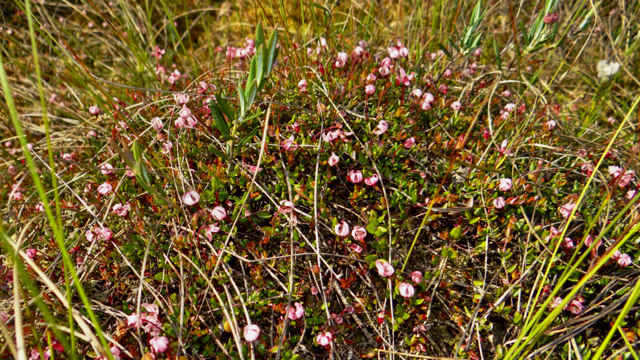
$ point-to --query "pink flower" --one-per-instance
(550, 124)
(384, 71)
(575, 307)
(156, 123)
(384, 268)
(416, 276)
(251, 332)
(503, 148)
(356, 248)
(631, 194)
(288, 144)
(157, 53)
(159, 344)
(324, 338)
(477, 52)
(443, 89)
(333, 159)
(408, 144)
(190, 197)
(180, 122)
(553, 232)
(358, 51)
(624, 260)
(295, 312)
(342, 229)
(31, 253)
(211, 229)
(121, 210)
(393, 52)
(568, 243)
(416, 93)
(285, 207)
(219, 213)
(614, 171)
(505, 184)
(456, 105)
(107, 169)
(359, 233)
(428, 98)
(499, 203)
(506, 93)
(403, 78)
(371, 78)
(181, 99)
(185, 112)
(355, 176)
(302, 86)
(371, 181)
(566, 209)
(406, 290)
(626, 178)
(94, 110)
(105, 188)
(381, 128)
(551, 18)
(17, 196)
(404, 52)
(447, 73)
(386, 62)
(369, 89)
(556, 302)
(103, 233)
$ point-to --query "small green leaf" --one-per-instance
(259, 35)
(218, 119)
(456, 232)
(243, 104)
(224, 106)
(271, 52)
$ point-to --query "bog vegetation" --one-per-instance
(319, 179)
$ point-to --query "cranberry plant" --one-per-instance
(305, 180)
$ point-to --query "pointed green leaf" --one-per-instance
(224, 107)
(243, 105)
(218, 119)
(250, 95)
(259, 35)
(271, 51)
(259, 58)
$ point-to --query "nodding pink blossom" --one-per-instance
(295, 312)
(477, 52)
(302, 85)
(251, 332)
(568, 243)
(587, 168)
(369, 89)
(289, 145)
(384, 71)
(67, 156)
(121, 209)
(342, 229)
(103, 233)
(416, 277)
(180, 122)
(408, 144)
(447, 73)
(631, 194)
(185, 112)
(509, 107)
(105, 188)
(94, 110)
(40, 207)
(384, 268)
(486, 133)
(406, 290)
(356, 248)
(626, 178)
(393, 52)
(157, 53)
(371, 78)
(159, 344)
(404, 52)
(90, 235)
(285, 207)
(181, 99)
(355, 176)
(553, 232)
(455, 106)
(314, 290)
(324, 338)
(416, 93)
(551, 18)
(134, 320)
(211, 229)
(333, 159)
(403, 78)
(575, 307)
(556, 302)
(91, 134)
(443, 89)
(203, 87)
(341, 60)
(174, 77)
(156, 124)
(190, 198)
(166, 149)
(386, 62)
(329, 136)
(566, 209)
(219, 213)
(358, 51)
(499, 203)
(31, 253)
(359, 233)
(323, 42)
(381, 128)
(506, 93)
(551, 124)
(505, 184)
(624, 260)
(106, 169)
(30, 146)
(241, 53)
(503, 148)
(614, 171)
(17, 196)
(371, 181)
